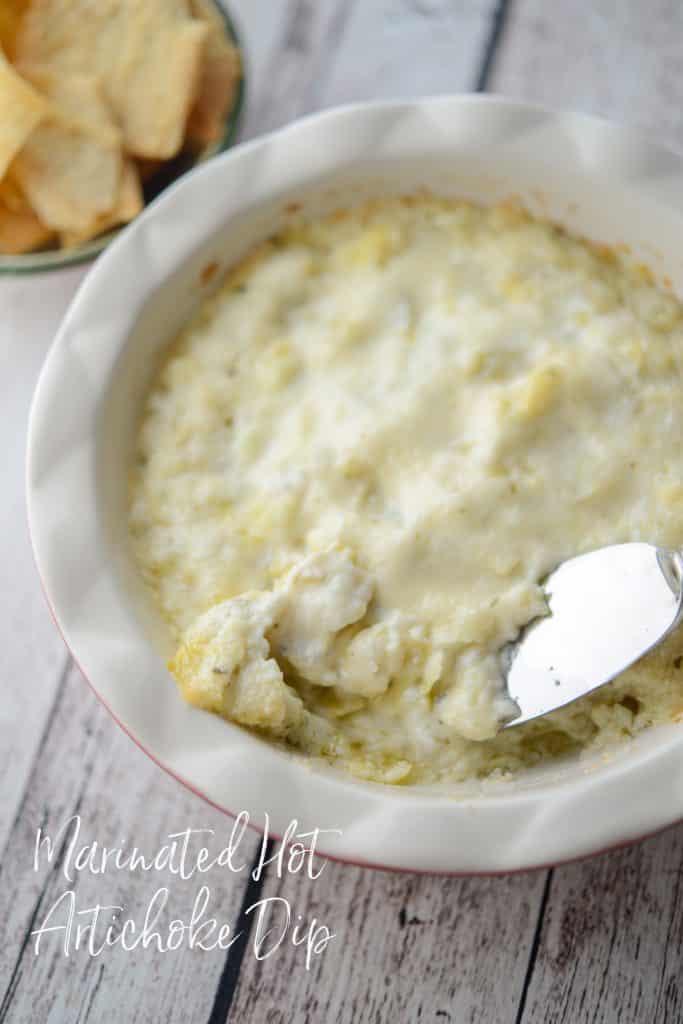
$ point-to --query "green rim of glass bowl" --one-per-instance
(58, 259)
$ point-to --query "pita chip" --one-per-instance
(21, 231)
(128, 205)
(147, 52)
(21, 110)
(218, 79)
(79, 98)
(69, 174)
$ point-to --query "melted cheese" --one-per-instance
(365, 452)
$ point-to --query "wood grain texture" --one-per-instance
(308, 34)
(618, 59)
(611, 943)
(609, 948)
(406, 948)
(261, 27)
(87, 766)
(406, 48)
(32, 655)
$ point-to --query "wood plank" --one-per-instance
(305, 55)
(261, 26)
(407, 48)
(610, 945)
(292, 59)
(33, 656)
(406, 948)
(612, 939)
(88, 766)
(619, 60)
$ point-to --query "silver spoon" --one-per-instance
(606, 610)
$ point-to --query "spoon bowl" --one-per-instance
(606, 609)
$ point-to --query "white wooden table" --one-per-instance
(595, 941)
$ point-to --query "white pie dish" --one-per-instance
(600, 181)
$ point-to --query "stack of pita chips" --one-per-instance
(94, 96)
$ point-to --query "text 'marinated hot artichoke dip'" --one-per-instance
(363, 455)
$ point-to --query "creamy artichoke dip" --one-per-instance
(369, 447)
